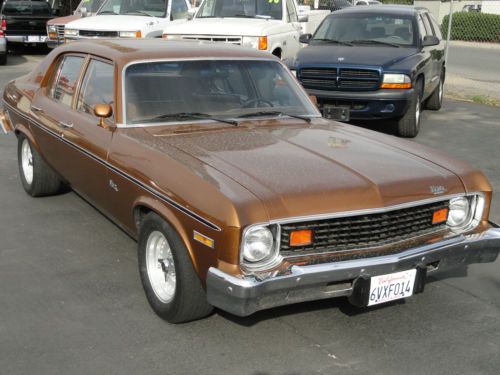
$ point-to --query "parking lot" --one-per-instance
(71, 301)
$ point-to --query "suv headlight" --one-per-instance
(260, 247)
(465, 212)
(70, 32)
(396, 81)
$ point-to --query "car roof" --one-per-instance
(392, 9)
(124, 51)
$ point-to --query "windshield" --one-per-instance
(27, 8)
(157, 91)
(242, 8)
(365, 28)
(152, 8)
(91, 5)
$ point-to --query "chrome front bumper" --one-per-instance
(244, 296)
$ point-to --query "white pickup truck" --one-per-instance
(128, 19)
(270, 25)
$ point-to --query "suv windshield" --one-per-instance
(187, 90)
(92, 6)
(152, 8)
(37, 8)
(241, 8)
(367, 29)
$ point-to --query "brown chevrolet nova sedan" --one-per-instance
(239, 194)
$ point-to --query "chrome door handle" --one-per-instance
(36, 109)
(65, 124)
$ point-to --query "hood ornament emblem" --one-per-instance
(437, 189)
(340, 59)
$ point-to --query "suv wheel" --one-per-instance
(436, 99)
(409, 125)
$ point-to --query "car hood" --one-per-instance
(63, 20)
(113, 23)
(299, 170)
(356, 55)
(222, 26)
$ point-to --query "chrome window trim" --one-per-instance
(143, 61)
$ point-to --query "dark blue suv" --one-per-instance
(375, 62)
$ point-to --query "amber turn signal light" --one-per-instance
(395, 86)
(440, 216)
(263, 43)
(301, 237)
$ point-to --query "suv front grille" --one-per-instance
(98, 34)
(364, 231)
(339, 78)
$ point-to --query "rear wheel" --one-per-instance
(37, 177)
(409, 125)
(172, 287)
(435, 101)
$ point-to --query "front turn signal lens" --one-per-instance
(263, 43)
(395, 86)
(440, 216)
(301, 237)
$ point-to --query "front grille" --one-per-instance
(60, 32)
(339, 78)
(98, 34)
(214, 38)
(363, 231)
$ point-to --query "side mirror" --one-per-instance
(303, 17)
(191, 13)
(103, 111)
(305, 38)
(430, 40)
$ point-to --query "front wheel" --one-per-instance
(37, 177)
(409, 125)
(172, 287)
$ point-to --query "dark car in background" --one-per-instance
(372, 63)
(24, 22)
(334, 5)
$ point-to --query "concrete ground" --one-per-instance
(71, 300)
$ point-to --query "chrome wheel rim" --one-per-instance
(160, 266)
(27, 161)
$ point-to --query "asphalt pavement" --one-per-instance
(71, 301)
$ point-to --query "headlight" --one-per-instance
(294, 72)
(70, 32)
(130, 34)
(466, 212)
(256, 42)
(52, 29)
(260, 247)
(396, 81)
(459, 212)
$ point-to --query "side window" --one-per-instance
(65, 84)
(97, 87)
(179, 10)
(427, 25)
(435, 26)
(421, 27)
(291, 12)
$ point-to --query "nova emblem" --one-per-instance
(113, 185)
(437, 189)
(341, 59)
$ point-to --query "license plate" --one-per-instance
(390, 287)
(36, 39)
(339, 113)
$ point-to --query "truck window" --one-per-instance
(291, 12)
(155, 8)
(241, 9)
(179, 9)
(27, 8)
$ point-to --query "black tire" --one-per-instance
(44, 180)
(189, 301)
(409, 125)
(435, 101)
(3, 59)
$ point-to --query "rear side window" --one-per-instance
(65, 84)
(97, 87)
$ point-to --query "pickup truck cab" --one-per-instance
(267, 25)
(128, 19)
(55, 27)
(23, 22)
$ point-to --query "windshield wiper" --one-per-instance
(371, 41)
(188, 115)
(107, 12)
(139, 12)
(334, 41)
(274, 113)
